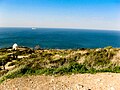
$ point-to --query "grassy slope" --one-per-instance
(59, 62)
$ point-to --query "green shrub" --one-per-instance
(98, 58)
(12, 74)
(108, 47)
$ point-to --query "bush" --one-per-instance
(98, 58)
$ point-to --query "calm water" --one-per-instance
(59, 38)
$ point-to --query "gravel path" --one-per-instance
(99, 81)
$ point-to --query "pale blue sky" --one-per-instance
(89, 14)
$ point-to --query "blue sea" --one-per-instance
(59, 38)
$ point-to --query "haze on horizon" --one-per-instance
(87, 14)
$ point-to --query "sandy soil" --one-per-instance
(99, 81)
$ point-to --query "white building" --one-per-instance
(15, 46)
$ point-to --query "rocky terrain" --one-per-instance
(99, 81)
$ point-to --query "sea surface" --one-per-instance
(59, 38)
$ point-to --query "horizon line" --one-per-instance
(58, 28)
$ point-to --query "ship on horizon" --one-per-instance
(34, 28)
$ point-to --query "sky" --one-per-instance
(83, 14)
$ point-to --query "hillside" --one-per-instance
(61, 64)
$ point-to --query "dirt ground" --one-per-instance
(99, 81)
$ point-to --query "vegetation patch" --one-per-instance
(57, 62)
